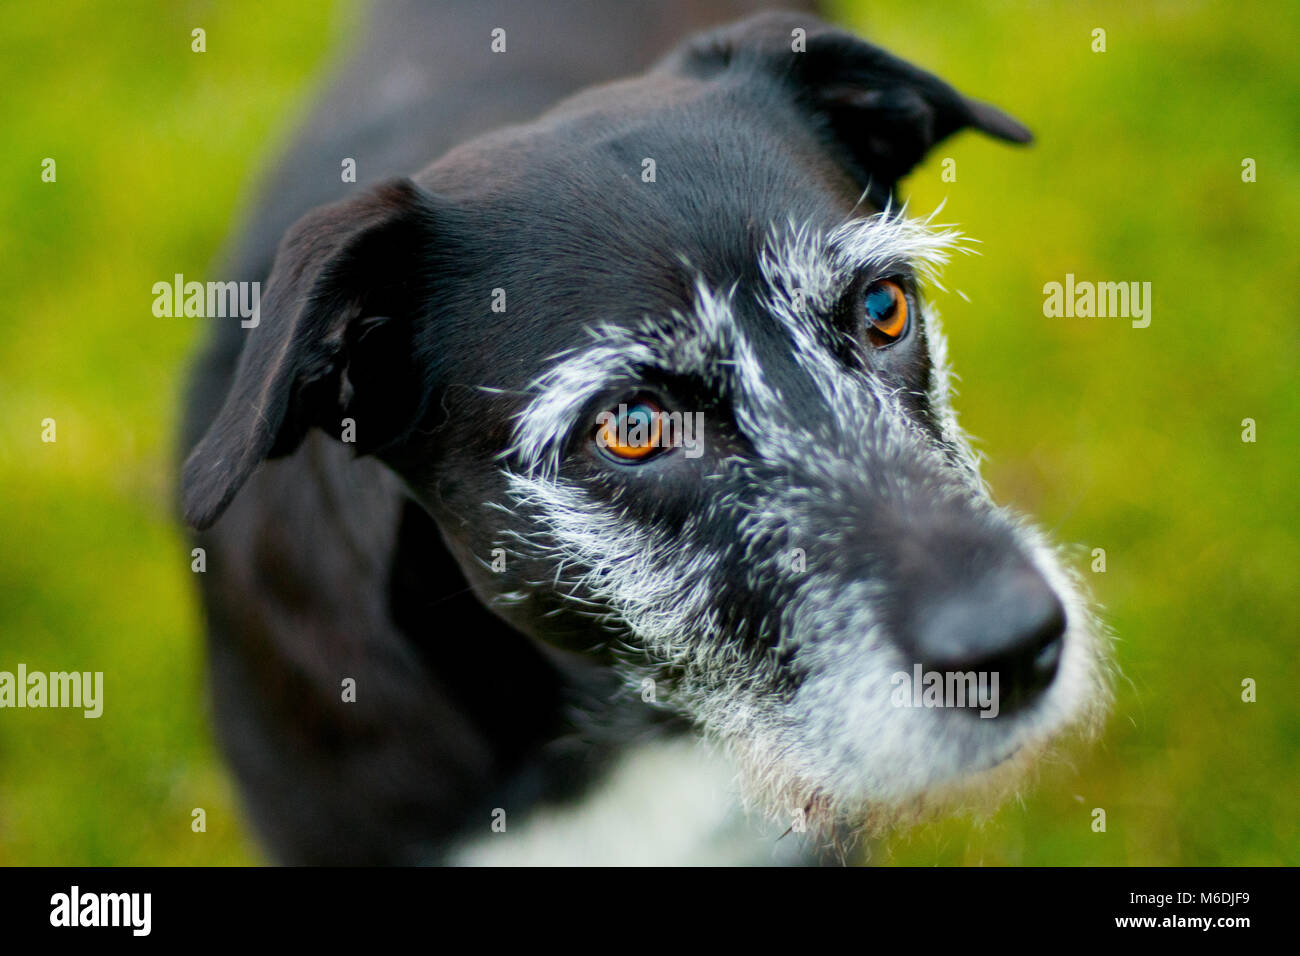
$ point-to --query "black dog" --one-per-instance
(644, 427)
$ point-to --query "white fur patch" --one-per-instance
(666, 803)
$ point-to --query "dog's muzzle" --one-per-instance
(963, 595)
(1009, 622)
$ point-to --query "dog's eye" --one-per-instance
(630, 432)
(885, 305)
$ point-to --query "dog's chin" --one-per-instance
(903, 767)
(837, 810)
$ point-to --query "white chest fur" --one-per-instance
(665, 803)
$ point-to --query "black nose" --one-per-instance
(1011, 624)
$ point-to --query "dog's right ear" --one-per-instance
(882, 113)
(334, 341)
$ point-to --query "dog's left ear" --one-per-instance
(883, 112)
(334, 347)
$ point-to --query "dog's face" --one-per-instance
(662, 369)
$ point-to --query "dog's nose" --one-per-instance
(1010, 624)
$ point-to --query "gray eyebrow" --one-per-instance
(821, 263)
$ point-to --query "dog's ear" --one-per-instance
(333, 342)
(885, 113)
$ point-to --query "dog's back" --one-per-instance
(322, 572)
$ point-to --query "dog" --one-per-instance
(478, 590)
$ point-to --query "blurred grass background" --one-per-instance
(1119, 438)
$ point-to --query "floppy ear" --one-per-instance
(884, 113)
(334, 341)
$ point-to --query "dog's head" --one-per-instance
(660, 366)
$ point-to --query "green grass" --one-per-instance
(154, 147)
(1119, 438)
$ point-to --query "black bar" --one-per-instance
(980, 907)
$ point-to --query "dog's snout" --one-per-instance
(1010, 623)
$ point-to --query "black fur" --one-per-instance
(323, 566)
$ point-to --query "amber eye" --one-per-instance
(885, 305)
(630, 432)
